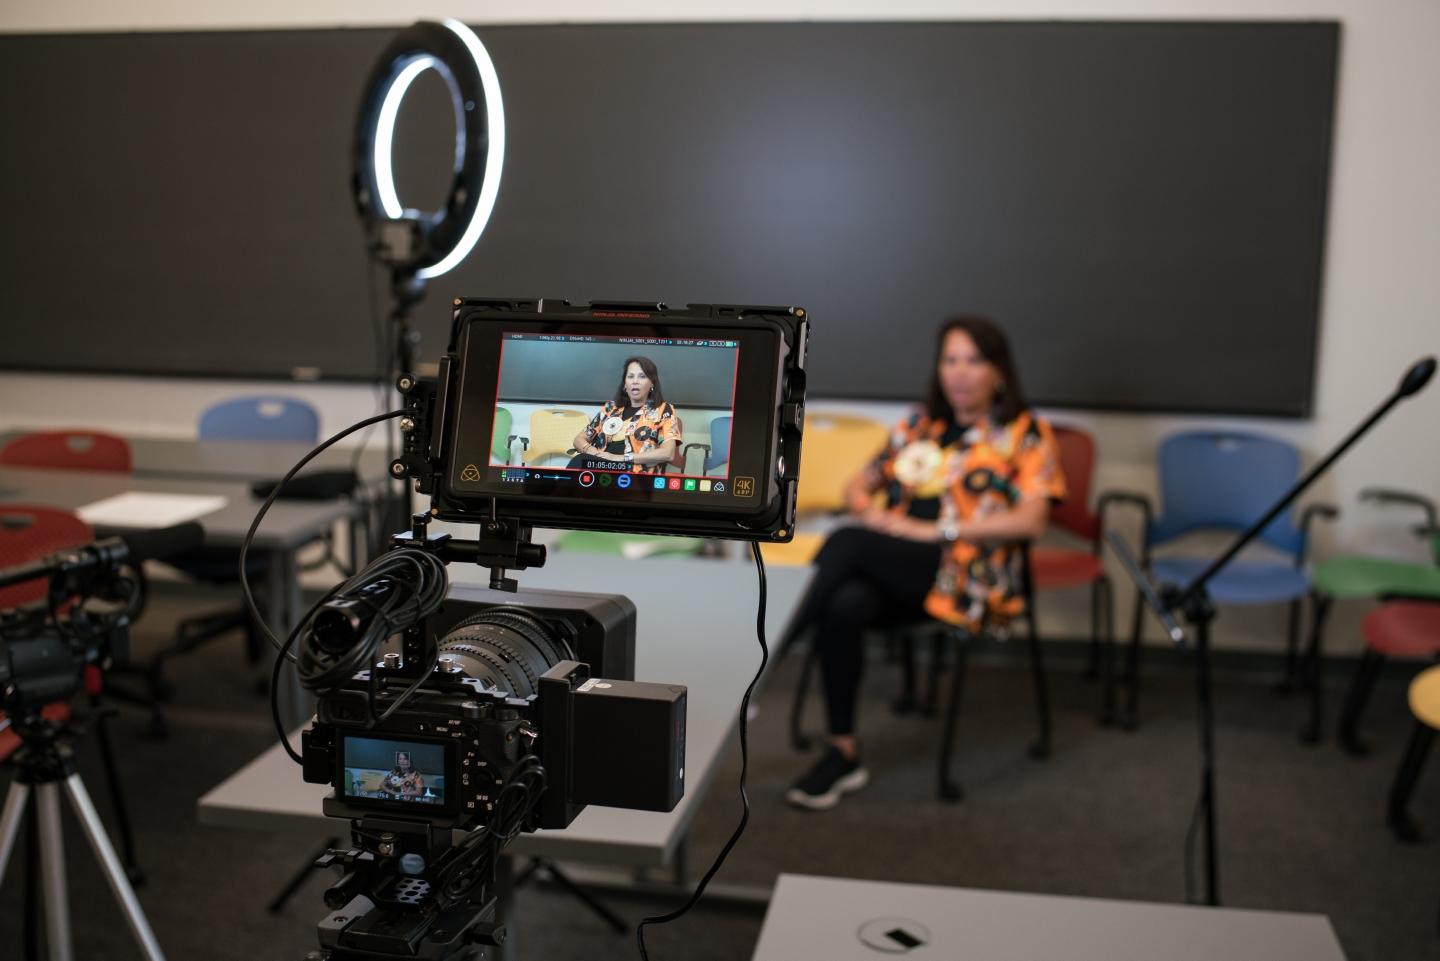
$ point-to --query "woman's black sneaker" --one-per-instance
(831, 778)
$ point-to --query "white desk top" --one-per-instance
(813, 917)
(695, 626)
(289, 524)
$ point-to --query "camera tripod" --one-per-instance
(44, 765)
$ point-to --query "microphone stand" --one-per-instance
(1194, 604)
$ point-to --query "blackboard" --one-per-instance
(1142, 205)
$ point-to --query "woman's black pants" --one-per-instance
(863, 579)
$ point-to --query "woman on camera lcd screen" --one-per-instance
(636, 430)
(403, 781)
(965, 476)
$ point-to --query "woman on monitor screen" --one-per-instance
(403, 781)
(968, 473)
(636, 430)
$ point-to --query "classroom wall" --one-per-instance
(1381, 297)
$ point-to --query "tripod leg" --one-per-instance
(584, 896)
(11, 820)
(52, 873)
(117, 798)
(114, 870)
(277, 904)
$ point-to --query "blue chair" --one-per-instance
(717, 452)
(1223, 481)
(261, 418)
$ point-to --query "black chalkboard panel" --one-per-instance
(1141, 204)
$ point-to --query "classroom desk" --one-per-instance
(695, 626)
(248, 460)
(288, 527)
(814, 917)
(195, 459)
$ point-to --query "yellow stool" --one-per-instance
(1425, 705)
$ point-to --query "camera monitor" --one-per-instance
(620, 417)
(391, 773)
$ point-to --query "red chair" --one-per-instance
(68, 450)
(1398, 628)
(29, 533)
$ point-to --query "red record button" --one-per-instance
(586, 478)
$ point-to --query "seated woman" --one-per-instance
(636, 430)
(403, 781)
(967, 474)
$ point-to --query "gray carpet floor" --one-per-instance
(1301, 829)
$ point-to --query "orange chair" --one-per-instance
(68, 450)
(1056, 568)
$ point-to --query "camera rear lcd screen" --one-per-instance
(389, 770)
(617, 412)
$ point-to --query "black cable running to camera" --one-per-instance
(744, 765)
(250, 606)
(418, 585)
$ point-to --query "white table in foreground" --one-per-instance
(695, 626)
(813, 917)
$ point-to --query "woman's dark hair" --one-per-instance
(995, 348)
(657, 396)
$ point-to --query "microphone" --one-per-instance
(112, 552)
(1416, 377)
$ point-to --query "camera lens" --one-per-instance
(506, 649)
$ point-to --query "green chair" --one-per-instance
(629, 546)
(1356, 577)
(500, 438)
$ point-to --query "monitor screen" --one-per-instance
(647, 416)
(617, 412)
(388, 770)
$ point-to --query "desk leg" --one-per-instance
(296, 705)
(505, 907)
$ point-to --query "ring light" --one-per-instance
(415, 243)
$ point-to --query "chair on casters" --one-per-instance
(1224, 481)
(245, 419)
(1425, 705)
(1357, 577)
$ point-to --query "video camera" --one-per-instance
(502, 713)
(91, 593)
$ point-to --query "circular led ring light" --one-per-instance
(452, 50)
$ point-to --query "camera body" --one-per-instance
(537, 675)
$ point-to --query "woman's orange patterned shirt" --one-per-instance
(645, 429)
(937, 471)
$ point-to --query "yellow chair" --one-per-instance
(834, 448)
(552, 432)
(1425, 705)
